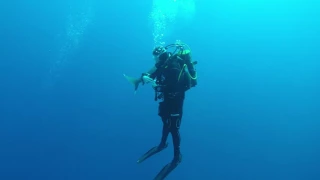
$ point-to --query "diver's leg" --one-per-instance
(174, 129)
(175, 118)
(165, 132)
(164, 114)
(163, 144)
(174, 126)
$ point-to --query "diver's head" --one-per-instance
(158, 53)
(158, 50)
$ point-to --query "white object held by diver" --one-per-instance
(146, 80)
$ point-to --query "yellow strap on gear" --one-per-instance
(194, 78)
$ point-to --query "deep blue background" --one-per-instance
(254, 114)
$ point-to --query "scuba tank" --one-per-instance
(188, 73)
(188, 68)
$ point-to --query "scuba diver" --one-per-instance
(173, 74)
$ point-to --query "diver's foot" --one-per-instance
(152, 152)
(167, 169)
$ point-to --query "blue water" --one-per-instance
(66, 112)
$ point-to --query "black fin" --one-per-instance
(151, 152)
(167, 169)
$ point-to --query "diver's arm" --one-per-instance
(152, 70)
(149, 76)
(152, 73)
(144, 78)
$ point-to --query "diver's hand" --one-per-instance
(146, 79)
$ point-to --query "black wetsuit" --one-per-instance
(172, 83)
(170, 111)
(172, 91)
